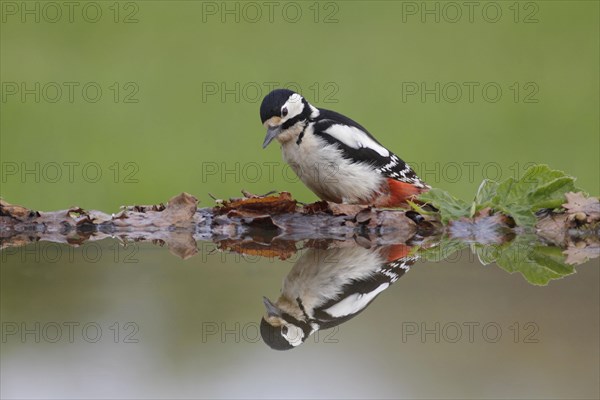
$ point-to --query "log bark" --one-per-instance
(273, 220)
(272, 225)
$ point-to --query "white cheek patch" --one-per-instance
(294, 335)
(294, 106)
(355, 138)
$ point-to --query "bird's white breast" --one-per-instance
(320, 275)
(327, 173)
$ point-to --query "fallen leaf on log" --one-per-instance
(578, 204)
(17, 212)
(259, 205)
(182, 244)
(281, 249)
(345, 209)
(582, 250)
(180, 209)
(269, 225)
(554, 228)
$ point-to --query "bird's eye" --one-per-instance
(284, 111)
(284, 330)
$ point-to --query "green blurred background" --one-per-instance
(359, 58)
(186, 111)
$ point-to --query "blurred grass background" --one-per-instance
(178, 137)
(181, 138)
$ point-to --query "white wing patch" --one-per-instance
(355, 138)
(354, 303)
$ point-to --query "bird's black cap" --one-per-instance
(272, 336)
(272, 103)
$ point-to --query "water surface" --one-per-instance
(103, 320)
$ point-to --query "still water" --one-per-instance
(107, 320)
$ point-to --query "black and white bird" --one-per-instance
(327, 287)
(337, 158)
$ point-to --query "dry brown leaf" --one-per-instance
(278, 248)
(144, 208)
(79, 215)
(578, 203)
(315, 208)
(345, 209)
(17, 212)
(182, 244)
(260, 205)
(180, 208)
(99, 217)
(553, 228)
(364, 216)
(578, 255)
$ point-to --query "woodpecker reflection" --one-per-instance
(327, 287)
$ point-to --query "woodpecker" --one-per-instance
(337, 158)
(327, 287)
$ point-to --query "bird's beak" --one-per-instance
(272, 309)
(272, 132)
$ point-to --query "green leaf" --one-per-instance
(487, 253)
(509, 192)
(485, 194)
(526, 255)
(521, 213)
(450, 207)
(552, 194)
(538, 264)
(540, 187)
(417, 207)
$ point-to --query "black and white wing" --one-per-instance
(358, 145)
(358, 294)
